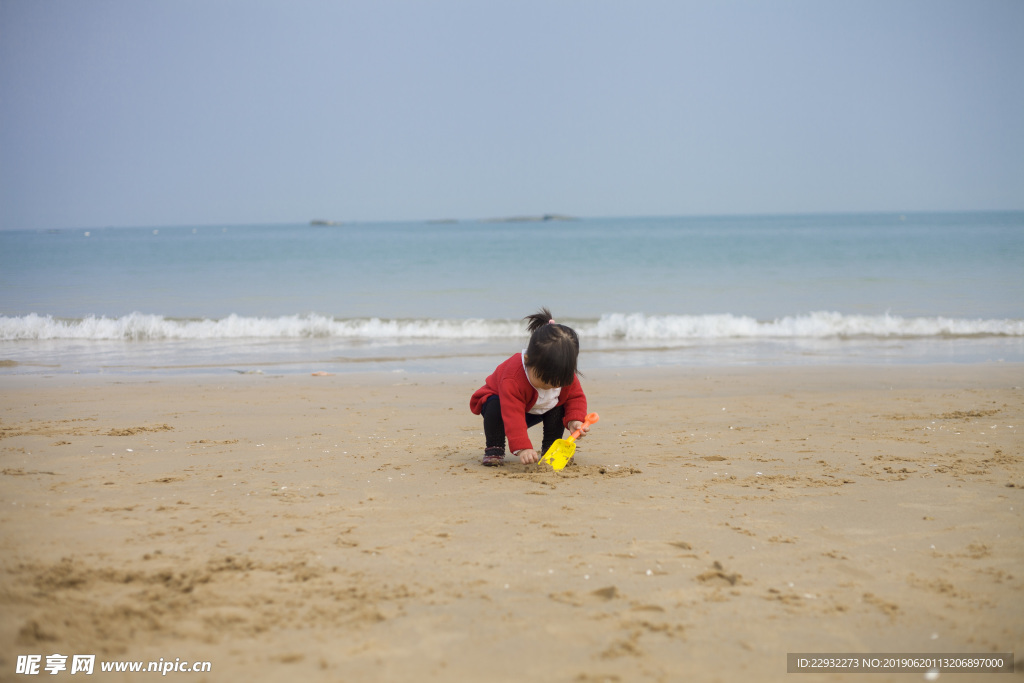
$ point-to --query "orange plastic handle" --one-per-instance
(588, 420)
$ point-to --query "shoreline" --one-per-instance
(341, 526)
(298, 357)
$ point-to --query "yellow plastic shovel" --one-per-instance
(560, 453)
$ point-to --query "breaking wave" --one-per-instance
(633, 327)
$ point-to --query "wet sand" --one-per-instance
(340, 527)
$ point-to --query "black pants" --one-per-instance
(494, 426)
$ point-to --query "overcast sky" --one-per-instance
(178, 112)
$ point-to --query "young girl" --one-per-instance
(538, 385)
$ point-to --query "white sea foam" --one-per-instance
(817, 325)
(634, 327)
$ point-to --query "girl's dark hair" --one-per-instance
(552, 350)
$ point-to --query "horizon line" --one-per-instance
(551, 217)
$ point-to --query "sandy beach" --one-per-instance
(341, 528)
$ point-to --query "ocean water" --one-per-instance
(424, 296)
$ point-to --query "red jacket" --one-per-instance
(517, 396)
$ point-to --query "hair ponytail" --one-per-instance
(538, 320)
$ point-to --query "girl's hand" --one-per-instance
(576, 424)
(528, 456)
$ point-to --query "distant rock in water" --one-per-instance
(323, 222)
(532, 219)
